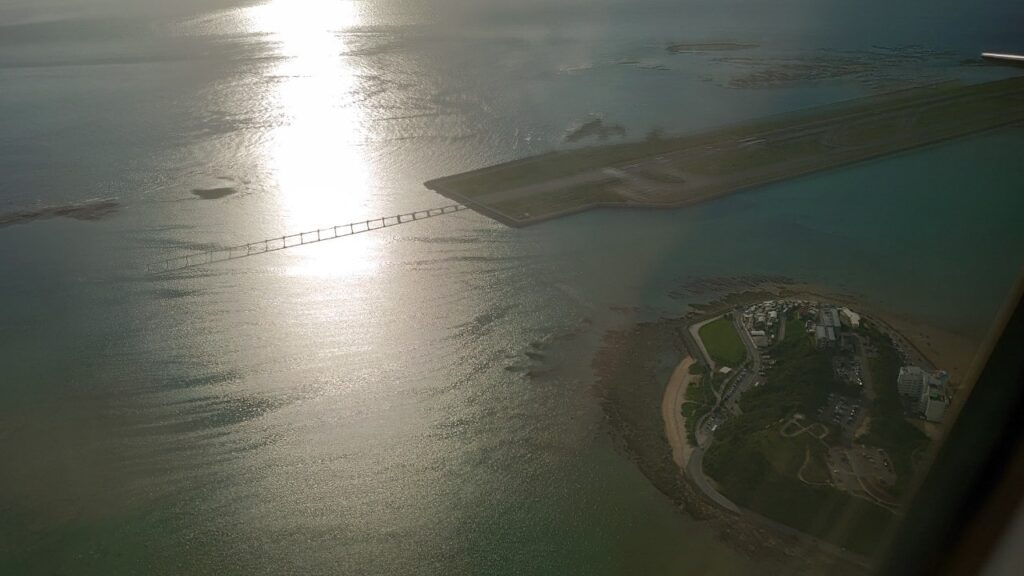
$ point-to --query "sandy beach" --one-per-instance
(675, 422)
(642, 400)
(630, 385)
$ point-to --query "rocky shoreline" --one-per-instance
(632, 368)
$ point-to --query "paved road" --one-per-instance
(695, 332)
(865, 370)
(754, 361)
(733, 388)
(695, 466)
(695, 470)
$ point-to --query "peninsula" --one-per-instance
(669, 172)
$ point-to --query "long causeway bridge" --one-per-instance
(293, 240)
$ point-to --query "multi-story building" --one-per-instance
(929, 389)
(933, 403)
(910, 382)
(850, 318)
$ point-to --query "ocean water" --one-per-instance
(367, 405)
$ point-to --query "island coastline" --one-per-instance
(637, 357)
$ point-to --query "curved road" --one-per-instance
(695, 332)
(695, 465)
(695, 470)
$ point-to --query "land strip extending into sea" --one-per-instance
(678, 171)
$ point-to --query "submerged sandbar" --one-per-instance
(678, 171)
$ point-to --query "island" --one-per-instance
(808, 414)
(792, 419)
(669, 172)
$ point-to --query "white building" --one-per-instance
(928, 388)
(910, 382)
(759, 337)
(851, 318)
(933, 403)
(820, 336)
(829, 317)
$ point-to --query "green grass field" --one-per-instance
(723, 343)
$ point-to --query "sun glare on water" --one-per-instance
(315, 151)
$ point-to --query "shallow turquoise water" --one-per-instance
(362, 406)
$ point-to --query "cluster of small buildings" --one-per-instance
(826, 331)
(828, 325)
(762, 320)
(927, 391)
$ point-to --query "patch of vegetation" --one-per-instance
(723, 343)
(698, 412)
(699, 391)
(789, 456)
(800, 381)
(786, 455)
(794, 328)
(759, 469)
(717, 381)
(697, 368)
(815, 468)
(889, 428)
(699, 401)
